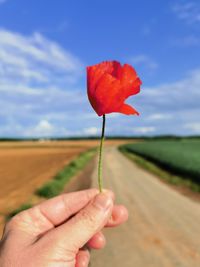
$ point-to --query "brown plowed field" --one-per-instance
(25, 166)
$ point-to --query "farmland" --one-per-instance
(26, 166)
(181, 157)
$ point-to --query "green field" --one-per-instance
(181, 157)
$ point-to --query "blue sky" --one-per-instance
(46, 45)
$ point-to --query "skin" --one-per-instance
(59, 231)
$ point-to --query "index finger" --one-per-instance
(50, 213)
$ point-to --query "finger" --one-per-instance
(119, 216)
(82, 258)
(76, 232)
(98, 241)
(51, 213)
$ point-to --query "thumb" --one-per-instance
(76, 232)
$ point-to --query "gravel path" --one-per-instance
(163, 229)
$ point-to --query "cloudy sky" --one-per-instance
(46, 45)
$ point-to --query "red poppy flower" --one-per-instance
(109, 84)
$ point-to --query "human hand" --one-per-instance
(53, 233)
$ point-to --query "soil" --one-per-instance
(26, 166)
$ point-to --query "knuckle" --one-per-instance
(14, 221)
(63, 257)
(89, 217)
(20, 221)
(67, 207)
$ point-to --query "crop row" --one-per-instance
(178, 157)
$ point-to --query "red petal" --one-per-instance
(95, 72)
(117, 70)
(93, 76)
(130, 81)
(128, 73)
(128, 110)
(107, 94)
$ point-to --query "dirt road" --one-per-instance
(163, 229)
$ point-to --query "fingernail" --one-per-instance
(103, 201)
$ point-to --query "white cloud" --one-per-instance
(144, 61)
(183, 94)
(158, 116)
(38, 48)
(39, 80)
(43, 128)
(28, 60)
(11, 128)
(35, 131)
(91, 131)
(188, 11)
(194, 126)
(178, 102)
(144, 130)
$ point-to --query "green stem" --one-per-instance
(100, 155)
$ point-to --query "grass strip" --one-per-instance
(57, 184)
(161, 173)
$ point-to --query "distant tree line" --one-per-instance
(158, 137)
